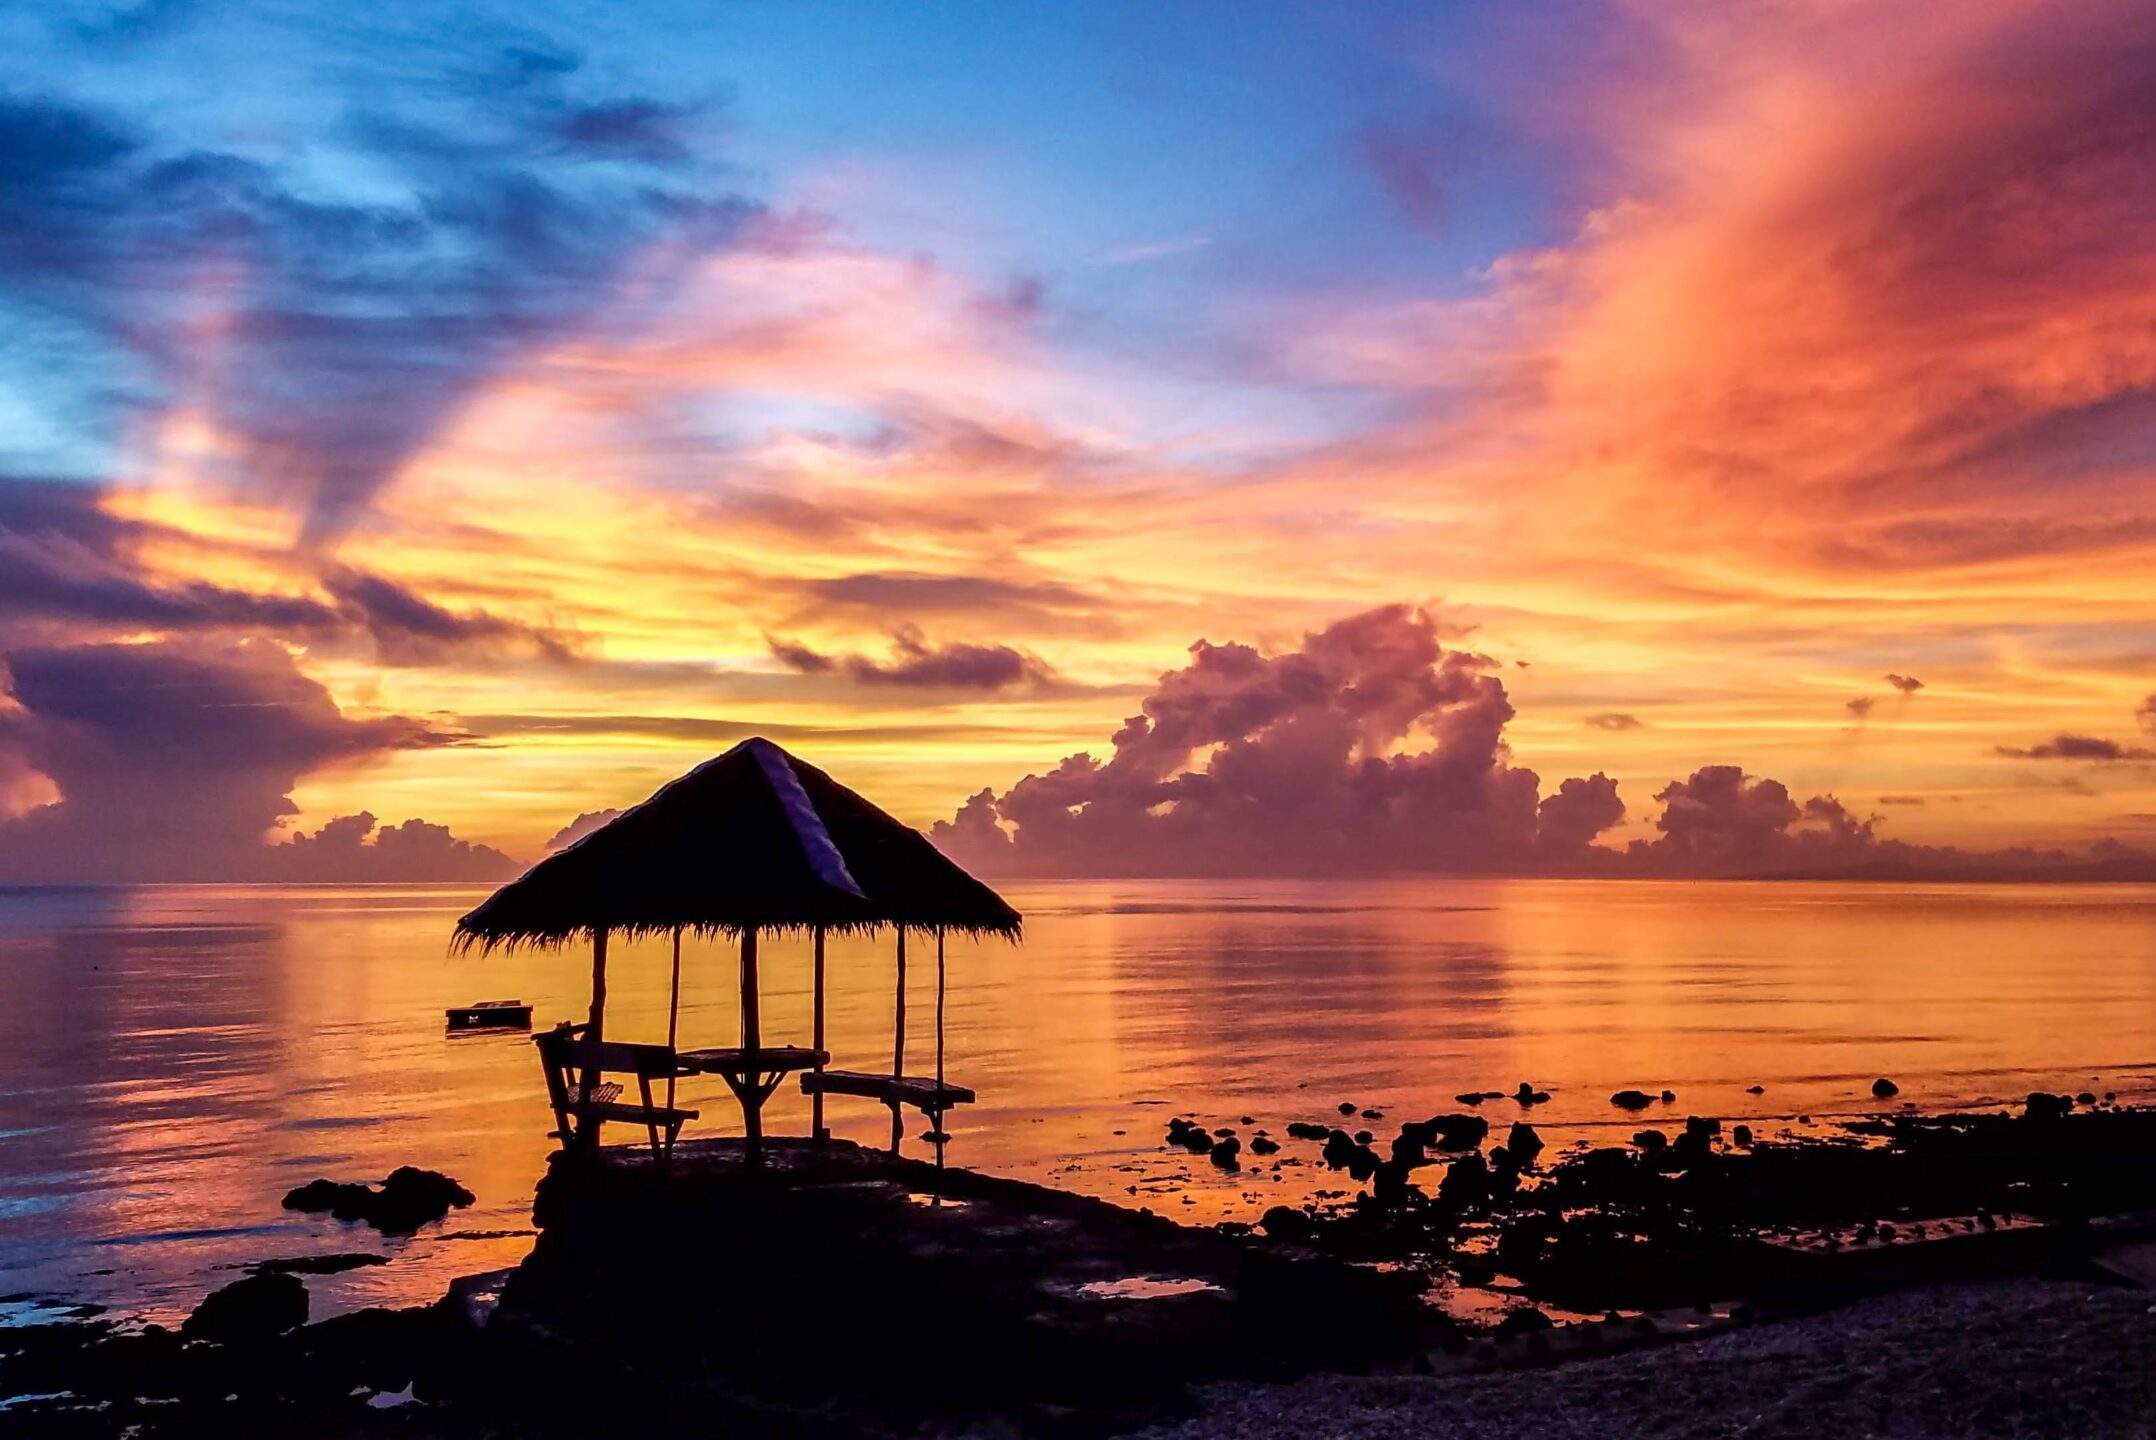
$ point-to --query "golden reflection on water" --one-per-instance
(173, 1059)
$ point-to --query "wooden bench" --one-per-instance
(583, 1102)
(923, 1092)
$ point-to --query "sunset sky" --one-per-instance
(482, 421)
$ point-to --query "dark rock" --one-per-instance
(1529, 1095)
(1249, 1120)
(2086, 1097)
(1342, 1153)
(1373, 1114)
(1285, 1222)
(407, 1199)
(1466, 1185)
(1389, 1185)
(1742, 1135)
(1883, 1088)
(1223, 1154)
(1631, 1099)
(1755, 1090)
(1524, 1321)
(1411, 1146)
(257, 1308)
(1364, 1137)
(1263, 1145)
(1223, 1132)
(1699, 1125)
(1669, 1097)
(1469, 1097)
(1304, 1130)
(1651, 1141)
(316, 1264)
(1457, 1132)
(1347, 1107)
(2044, 1106)
(1523, 1144)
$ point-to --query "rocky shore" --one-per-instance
(838, 1291)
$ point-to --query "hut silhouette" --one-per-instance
(753, 842)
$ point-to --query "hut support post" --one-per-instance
(816, 1129)
(752, 1095)
(673, 1018)
(594, 1027)
(898, 1044)
(938, 1116)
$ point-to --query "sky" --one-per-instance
(1672, 437)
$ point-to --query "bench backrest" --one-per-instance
(563, 1050)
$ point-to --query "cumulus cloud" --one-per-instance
(1721, 821)
(1369, 749)
(578, 828)
(355, 848)
(1907, 684)
(917, 662)
(173, 759)
(1861, 707)
(2076, 747)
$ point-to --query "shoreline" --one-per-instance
(606, 1256)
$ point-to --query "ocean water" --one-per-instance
(173, 1059)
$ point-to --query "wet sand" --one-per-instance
(2000, 1358)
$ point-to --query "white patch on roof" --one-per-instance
(823, 856)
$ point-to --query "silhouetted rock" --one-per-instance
(1263, 1145)
(1701, 1125)
(1651, 1141)
(1223, 1154)
(1347, 1107)
(1755, 1089)
(2086, 1097)
(257, 1308)
(317, 1264)
(408, 1199)
(1742, 1135)
(1884, 1089)
(1304, 1130)
(1466, 1185)
(1669, 1097)
(1469, 1097)
(1342, 1153)
(1631, 1099)
(1529, 1095)
(1285, 1222)
(2041, 1105)
(1523, 1144)
(1524, 1321)
(1457, 1132)
(1373, 1114)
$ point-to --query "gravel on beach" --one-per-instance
(2015, 1358)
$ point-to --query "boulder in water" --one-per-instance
(260, 1307)
(1631, 1099)
(1885, 1089)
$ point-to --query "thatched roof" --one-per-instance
(755, 838)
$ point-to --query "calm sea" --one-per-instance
(172, 1060)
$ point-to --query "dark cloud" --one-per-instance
(2076, 747)
(917, 662)
(636, 129)
(1244, 763)
(1907, 684)
(1616, 720)
(1413, 170)
(409, 629)
(173, 760)
(347, 329)
(1861, 707)
(1901, 800)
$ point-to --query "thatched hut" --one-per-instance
(751, 842)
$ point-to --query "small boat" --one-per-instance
(490, 1015)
